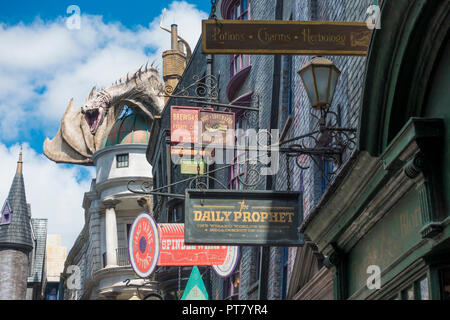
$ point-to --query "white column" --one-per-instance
(111, 232)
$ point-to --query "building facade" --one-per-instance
(345, 217)
(383, 221)
(98, 265)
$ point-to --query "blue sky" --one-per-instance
(43, 64)
(130, 13)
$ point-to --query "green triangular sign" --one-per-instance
(195, 288)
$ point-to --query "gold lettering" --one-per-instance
(237, 215)
(273, 217)
(264, 216)
(206, 216)
(218, 217)
(227, 215)
(290, 215)
(258, 216)
(246, 217)
(197, 215)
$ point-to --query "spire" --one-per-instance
(17, 232)
(19, 163)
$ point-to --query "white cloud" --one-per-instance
(54, 192)
(67, 63)
(42, 66)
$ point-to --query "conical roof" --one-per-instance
(15, 231)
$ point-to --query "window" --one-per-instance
(5, 214)
(239, 11)
(122, 160)
(327, 173)
(419, 290)
(445, 284)
(239, 169)
(176, 214)
(284, 264)
(231, 287)
(128, 233)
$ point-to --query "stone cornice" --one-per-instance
(366, 189)
(115, 182)
(119, 147)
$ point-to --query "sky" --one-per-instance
(45, 60)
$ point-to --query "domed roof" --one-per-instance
(131, 129)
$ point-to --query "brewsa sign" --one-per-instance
(152, 245)
(243, 218)
(285, 37)
(192, 125)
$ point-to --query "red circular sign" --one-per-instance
(143, 245)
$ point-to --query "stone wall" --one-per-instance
(14, 269)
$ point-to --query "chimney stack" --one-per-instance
(174, 60)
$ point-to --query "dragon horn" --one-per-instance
(146, 67)
(91, 94)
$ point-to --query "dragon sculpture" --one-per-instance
(82, 130)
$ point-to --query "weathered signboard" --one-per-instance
(215, 125)
(243, 218)
(285, 37)
(175, 253)
(143, 245)
(182, 122)
(194, 125)
(192, 167)
(151, 244)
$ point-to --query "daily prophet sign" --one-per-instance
(243, 218)
(285, 37)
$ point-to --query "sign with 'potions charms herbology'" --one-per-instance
(243, 218)
(285, 37)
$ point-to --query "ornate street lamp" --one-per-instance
(320, 78)
(327, 141)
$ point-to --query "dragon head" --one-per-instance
(95, 109)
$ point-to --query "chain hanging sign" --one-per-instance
(243, 218)
(285, 37)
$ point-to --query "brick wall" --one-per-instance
(347, 96)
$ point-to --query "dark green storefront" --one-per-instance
(389, 206)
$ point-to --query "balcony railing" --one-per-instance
(123, 259)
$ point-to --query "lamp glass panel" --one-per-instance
(308, 82)
(322, 76)
(333, 83)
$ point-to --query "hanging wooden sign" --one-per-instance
(285, 37)
(243, 218)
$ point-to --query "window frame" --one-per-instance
(118, 161)
(239, 170)
(242, 59)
